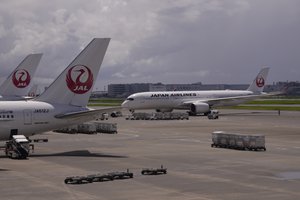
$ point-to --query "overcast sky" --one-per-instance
(169, 41)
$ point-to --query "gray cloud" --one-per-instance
(171, 41)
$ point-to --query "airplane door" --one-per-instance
(13, 132)
(27, 117)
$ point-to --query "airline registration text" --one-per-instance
(41, 110)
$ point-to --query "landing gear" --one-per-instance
(191, 113)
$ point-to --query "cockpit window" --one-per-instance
(130, 99)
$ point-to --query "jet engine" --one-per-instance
(199, 108)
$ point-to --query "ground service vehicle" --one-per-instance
(151, 171)
(98, 177)
(214, 114)
(78, 180)
(18, 147)
(121, 175)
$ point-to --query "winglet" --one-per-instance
(74, 85)
(259, 82)
(19, 81)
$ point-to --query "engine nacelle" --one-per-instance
(164, 110)
(199, 108)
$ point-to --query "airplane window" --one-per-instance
(12, 116)
(7, 116)
(130, 99)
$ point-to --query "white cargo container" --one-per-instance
(87, 128)
(106, 127)
(70, 129)
(140, 116)
(158, 116)
(238, 141)
(90, 128)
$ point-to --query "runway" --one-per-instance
(195, 170)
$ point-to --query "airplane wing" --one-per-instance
(228, 100)
(87, 113)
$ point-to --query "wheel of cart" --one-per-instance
(68, 180)
(264, 149)
(90, 180)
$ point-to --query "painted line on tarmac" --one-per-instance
(130, 134)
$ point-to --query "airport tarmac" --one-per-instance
(195, 170)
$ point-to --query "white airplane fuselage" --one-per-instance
(196, 101)
(32, 117)
(14, 98)
(178, 99)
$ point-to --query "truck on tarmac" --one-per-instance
(213, 114)
(152, 171)
(18, 147)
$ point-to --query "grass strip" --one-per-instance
(272, 102)
(286, 108)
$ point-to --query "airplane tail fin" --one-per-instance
(33, 92)
(259, 82)
(19, 81)
(74, 85)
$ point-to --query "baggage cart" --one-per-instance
(238, 141)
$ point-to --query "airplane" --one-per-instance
(197, 102)
(18, 83)
(65, 101)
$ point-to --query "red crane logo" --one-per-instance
(21, 78)
(79, 79)
(260, 81)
